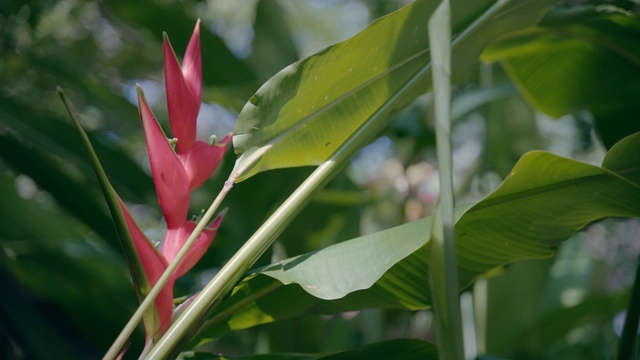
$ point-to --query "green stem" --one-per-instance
(442, 255)
(628, 347)
(480, 296)
(248, 254)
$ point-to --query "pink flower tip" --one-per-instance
(184, 89)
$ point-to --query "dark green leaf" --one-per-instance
(585, 59)
(220, 66)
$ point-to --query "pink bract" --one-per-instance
(175, 174)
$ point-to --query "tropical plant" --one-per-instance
(411, 254)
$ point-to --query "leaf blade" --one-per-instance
(306, 111)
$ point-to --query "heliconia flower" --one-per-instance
(184, 96)
(175, 174)
(170, 180)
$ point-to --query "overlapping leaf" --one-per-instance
(544, 201)
(47, 252)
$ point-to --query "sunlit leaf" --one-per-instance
(309, 109)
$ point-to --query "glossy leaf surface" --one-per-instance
(309, 109)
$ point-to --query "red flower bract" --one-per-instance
(175, 174)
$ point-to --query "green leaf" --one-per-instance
(620, 158)
(555, 324)
(34, 143)
(390, 349)
(406, 349)
(585, 59)
(331, 278)
(305, 112)
(544, 201)
(338, 270)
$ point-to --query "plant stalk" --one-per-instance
(118, 219)
(481, 286)
(442, 255)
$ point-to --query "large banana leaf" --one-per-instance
(308, 110)
(583, 59)
(544, 201)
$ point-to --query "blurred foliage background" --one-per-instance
(64, 286)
